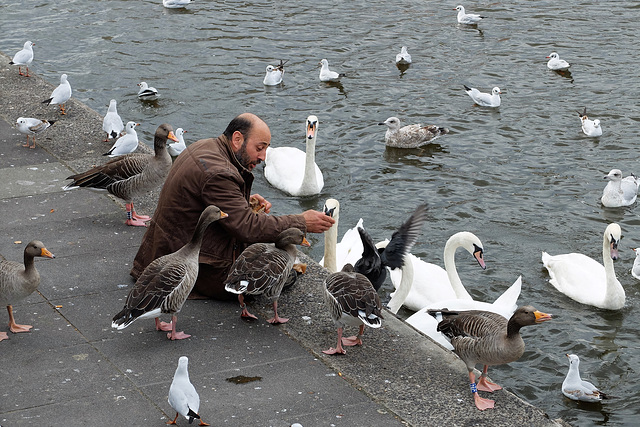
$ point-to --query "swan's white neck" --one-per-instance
(614, 296)
(404, 287)
(330, 244)
(310, 181)
(454, 242)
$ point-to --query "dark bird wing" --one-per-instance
(404, 238)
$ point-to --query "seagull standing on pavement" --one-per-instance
(183, 396)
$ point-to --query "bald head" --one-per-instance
(245, 124)
(249, 136)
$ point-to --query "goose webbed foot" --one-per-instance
(173, 335)
(482, 403)
(13, 326)
(338, 349)
(135, 222)
(351, 341)
(3, 336)
(246, 315)
(485, 385)
(163, 326)
(277, 319)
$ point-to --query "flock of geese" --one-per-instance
(486, 333)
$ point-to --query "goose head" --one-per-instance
(36, 248)
(312, 127)
(526, 316)
(291, 236)
(613, 234)
(393, 123)
(164, 132)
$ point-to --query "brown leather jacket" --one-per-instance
(208, 173)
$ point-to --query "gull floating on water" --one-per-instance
(403, 57)
(147, 93)
(274, 75)
(60, 95)
(467, 18)
(410, 136)
(176, 148)
(575, 388)
(326, 75)
(590, 127)
(127, 143)
(183, 396)
(23, 57)
(112, 123)
(619, 191)
(557, 64)
(174, 4)
(635, 271)
(31, 126)
(484, 99)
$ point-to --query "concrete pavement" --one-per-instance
(73, 368)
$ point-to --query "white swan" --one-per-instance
(584, 279)
(350, 248)
(431, 283)
(292, 170)
(619, 191)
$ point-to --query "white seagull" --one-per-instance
(557, 64)
(619, 191)
(403, 57)
(590, 127)
(177, 147)
(326, 75)
(60, 95)
(575, 388)
(467, 18)
(112, 123)
(410, 136)
(31, 126)
(23, 57)
(484, 99)
(635, 271)
(274, 75)
(127, 143)
(174, 4)
(183, 396)
(147, 93)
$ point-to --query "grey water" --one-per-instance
(522, 177)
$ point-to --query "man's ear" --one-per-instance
(236, 140)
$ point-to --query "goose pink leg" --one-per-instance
(480, 402)
(354, 340)
(133, 218)
(245, 313)
(484, 384)
(338, 349)
(276, 319)
(13, 326)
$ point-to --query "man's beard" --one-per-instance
(244, 159)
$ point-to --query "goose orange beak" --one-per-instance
(172, 137)
(541, 317)
(45, 253)
(223, 215)
(305, 242)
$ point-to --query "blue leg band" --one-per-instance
(474, 389)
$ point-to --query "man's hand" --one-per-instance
(317, 222)
(262, 202)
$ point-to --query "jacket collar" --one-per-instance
(246, 174)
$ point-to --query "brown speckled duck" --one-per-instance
(131, 175)
(263, 268)
(18, 281)
(164, 286)
(487, 338)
